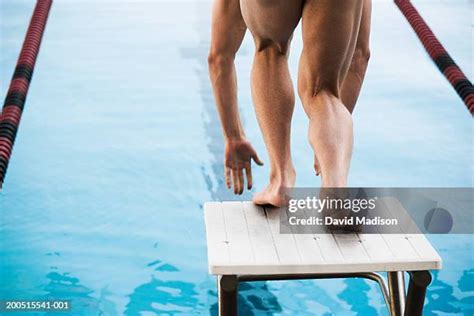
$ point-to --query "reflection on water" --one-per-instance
(162, 297)
(164, 293)
(161, 266)
(63, 286)
(358, 288)
(254, 299)
(466, 285)
(441, 296)
(259, 298)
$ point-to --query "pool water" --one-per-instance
(120, 145)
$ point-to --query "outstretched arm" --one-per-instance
(228, 31)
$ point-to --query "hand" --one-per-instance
(238, 156)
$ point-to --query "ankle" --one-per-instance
(283, 177)
(334, 181)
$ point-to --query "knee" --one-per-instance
(270, 48)
(317, 84)
(360, 60)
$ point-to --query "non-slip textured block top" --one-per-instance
(245, 239)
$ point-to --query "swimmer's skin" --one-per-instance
(332, 68)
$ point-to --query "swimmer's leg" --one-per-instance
(272, 24)
(355, 75)
(330, 29)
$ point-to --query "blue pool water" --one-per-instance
(119, 147)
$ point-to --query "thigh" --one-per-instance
(228, 27)
(363, 37)
(271, 20)
(330, 30)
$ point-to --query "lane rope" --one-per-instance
(438, 54)
(16, 96)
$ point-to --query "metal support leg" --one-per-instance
(396, 287)
(308, 276)
(228, 286)
(419, 281)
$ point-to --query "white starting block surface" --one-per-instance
(245, 239)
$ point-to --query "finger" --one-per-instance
(257, 160)
(241, 181)
(228, 182)
(235, 179)
(248, 175)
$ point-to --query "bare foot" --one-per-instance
(274, 193)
